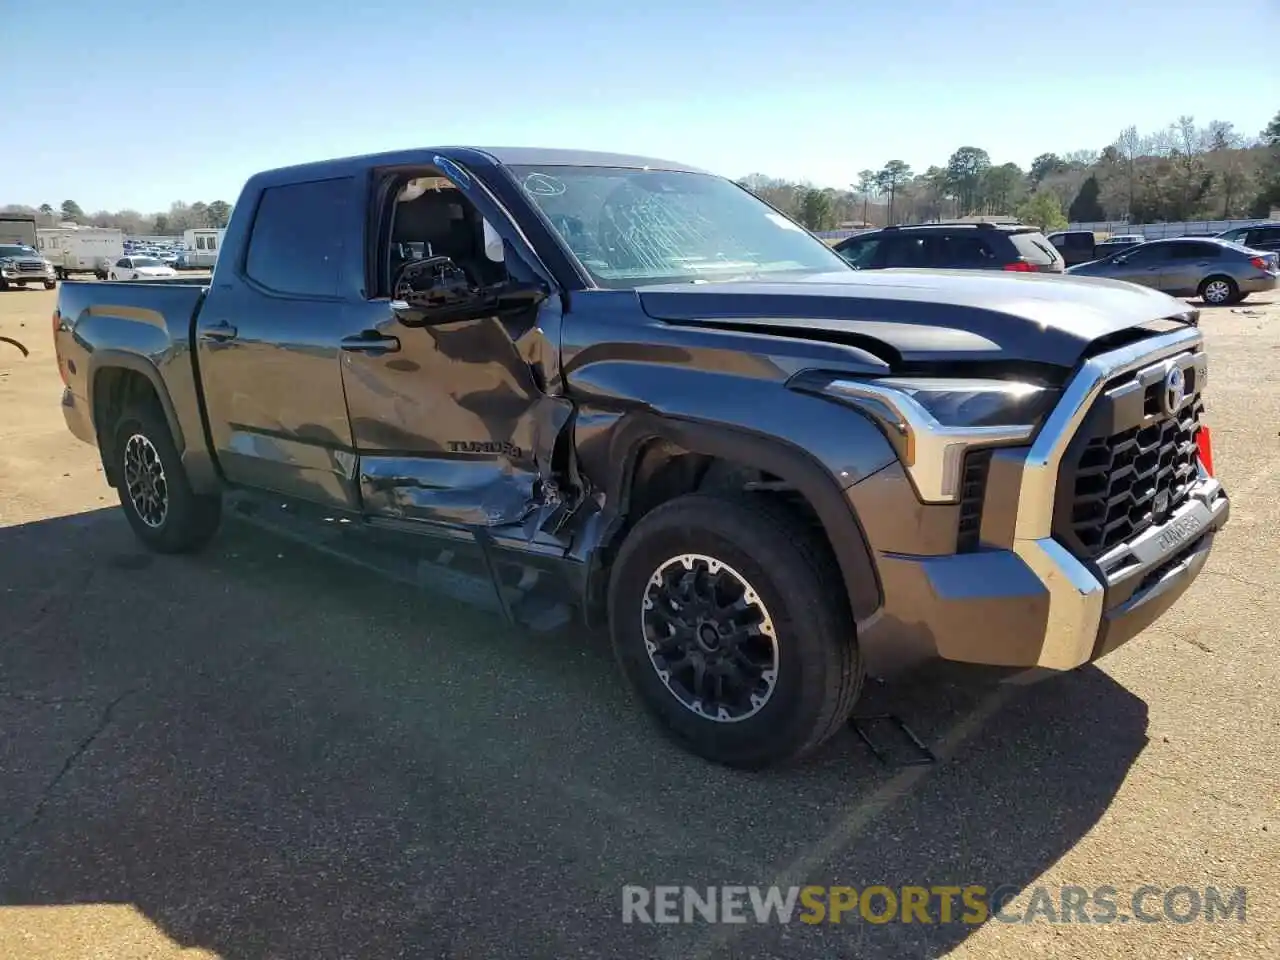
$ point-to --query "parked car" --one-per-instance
(956, 245)
(1217, 271)
(140, 268)
(1259, 236)
(1076, 246)
(21, 264)
(630, 387)
(1115, 244)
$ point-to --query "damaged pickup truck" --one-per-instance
(634, 386)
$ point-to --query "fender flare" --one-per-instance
(792, 464)
(110, 359)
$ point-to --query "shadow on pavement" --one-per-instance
(271, 753)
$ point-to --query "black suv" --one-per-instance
(958, 246)
(1260, 236)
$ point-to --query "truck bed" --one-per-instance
(109, 322)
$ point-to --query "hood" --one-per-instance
(923, 316)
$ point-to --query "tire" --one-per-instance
(187, 520)
(797, 589)
(1219, 291)
(50, 284)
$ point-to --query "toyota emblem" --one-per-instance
(1175, 390)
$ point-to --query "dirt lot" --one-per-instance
(266, 751)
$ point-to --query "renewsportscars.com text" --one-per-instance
(941, 904)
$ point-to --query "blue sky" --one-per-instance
(137, 105)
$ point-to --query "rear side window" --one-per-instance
(960, 250)
(296, 245)
(1260, 235)
(905, 252)
(1034, 248)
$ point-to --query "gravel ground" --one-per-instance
(265, 751)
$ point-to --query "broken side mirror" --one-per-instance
(436, 290)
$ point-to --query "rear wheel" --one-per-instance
(729, 621)
(1219, 291)
(165, 513)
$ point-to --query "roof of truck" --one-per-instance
(506, 156)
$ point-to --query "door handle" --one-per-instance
(219, 331)
(371, 341)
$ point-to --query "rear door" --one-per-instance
(268, 340)
(1187, 262)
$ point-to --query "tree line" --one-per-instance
(179, 217)
(1181, 172)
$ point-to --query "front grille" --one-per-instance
(1133, 463)
(977, 464)
(31, 266)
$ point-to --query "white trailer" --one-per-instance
(202, 245)
(73, 249)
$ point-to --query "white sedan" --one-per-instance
(140, 268)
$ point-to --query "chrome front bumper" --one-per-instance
(1078, 627)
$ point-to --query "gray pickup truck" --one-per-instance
(634, 385)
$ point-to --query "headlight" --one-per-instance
(934, 421)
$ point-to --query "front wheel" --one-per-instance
(165, 513)
(50, 284)
(1219, 291)
(728, 619)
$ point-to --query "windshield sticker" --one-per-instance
(783, 222)
(452, 171)
(544, 185)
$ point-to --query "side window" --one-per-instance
(296, 244)
(861, 253)
(199, 243)
(1260, 235)
(905, 252)
(430, 217)
(213, 243)
(1147, 254)
(960, 250)
(124, 262)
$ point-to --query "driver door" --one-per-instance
(453, 422)
(1143, 265)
